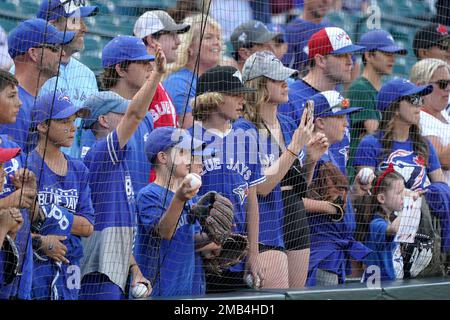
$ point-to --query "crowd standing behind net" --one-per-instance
(182, 148)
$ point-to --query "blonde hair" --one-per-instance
(254, 100)
(198, 23)
(206, 103)
(423, 70)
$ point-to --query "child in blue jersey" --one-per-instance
(18, 192)
(378, 225)
(399, 140)
(108, 257)
(235, 170)
(166, 239)
(284, 230)
(64, 198)
(332, 242)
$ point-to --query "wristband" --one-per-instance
(292, 153)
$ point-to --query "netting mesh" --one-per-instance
(321, 127)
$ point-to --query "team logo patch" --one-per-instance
(242, 192)
(442, 29)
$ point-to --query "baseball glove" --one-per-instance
(417, 255)
(332, 186)
(233, 250)
(11, 263)
(216, 215)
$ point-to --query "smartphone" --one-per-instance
(310, 109)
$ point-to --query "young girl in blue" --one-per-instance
(284, 230)
(167, 231)
(379, 225)
(399, 140)
(63, 197)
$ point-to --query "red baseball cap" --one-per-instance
(7, 154)
(331, 40)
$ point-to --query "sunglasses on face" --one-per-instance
(414, 100)
(442, 84)
(52, 48)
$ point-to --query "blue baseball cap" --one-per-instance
(34, 32)
(331, 104)
(51, 106)
(381, 40)
(164, 138)
(53, 9)
(398, 88)
(124, 48)
(103, 102)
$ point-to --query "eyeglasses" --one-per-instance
(51, 47)
(442, 84)
(415, 100)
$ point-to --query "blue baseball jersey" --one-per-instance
(135, 157)
(299, 93)
(383, 247)
(297, 35)
(61, 197)
(168, 264)
(179, 87)
(78, 82)
(21, 285)
(271, 208)
(109, 248)
(19, 131)
(332, 243)
(232, 171)
(406, 162)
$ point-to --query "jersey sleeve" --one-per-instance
(433, 159)
(180, 93)
(367, 152)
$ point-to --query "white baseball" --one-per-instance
(366, 175)
(249, 281)
(139, 291)
(196, 180)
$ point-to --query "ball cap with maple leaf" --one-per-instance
(331, 104)
(332, 41)
(429, 36)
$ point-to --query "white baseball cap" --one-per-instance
(152, 22)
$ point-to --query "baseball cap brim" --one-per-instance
(346, 111)
(60, 38)
(179, 28)
(82, 112)
(266, 37)
(353, 48)
(87, 11)
(7, 154)
(282, 74)
(147, 57)
(393, 49)
(419, 90)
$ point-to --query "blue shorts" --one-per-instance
(97, 286)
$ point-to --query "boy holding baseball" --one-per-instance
(167, 230)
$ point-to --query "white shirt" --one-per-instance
(432, 126)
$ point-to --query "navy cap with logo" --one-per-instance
(164, 138)
(381, 40)
(54, 9)
(223, 79)
(331, 104)
(431, 35)
(398, 88)
(251, 32)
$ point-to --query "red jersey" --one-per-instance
(162, 109)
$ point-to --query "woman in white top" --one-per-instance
(434, 121)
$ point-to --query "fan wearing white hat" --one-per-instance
(158, 27)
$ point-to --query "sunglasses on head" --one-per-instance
(415, 100)
(442, 84)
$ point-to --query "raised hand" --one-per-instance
(303, 134)
(317, 146)
(160, 60)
